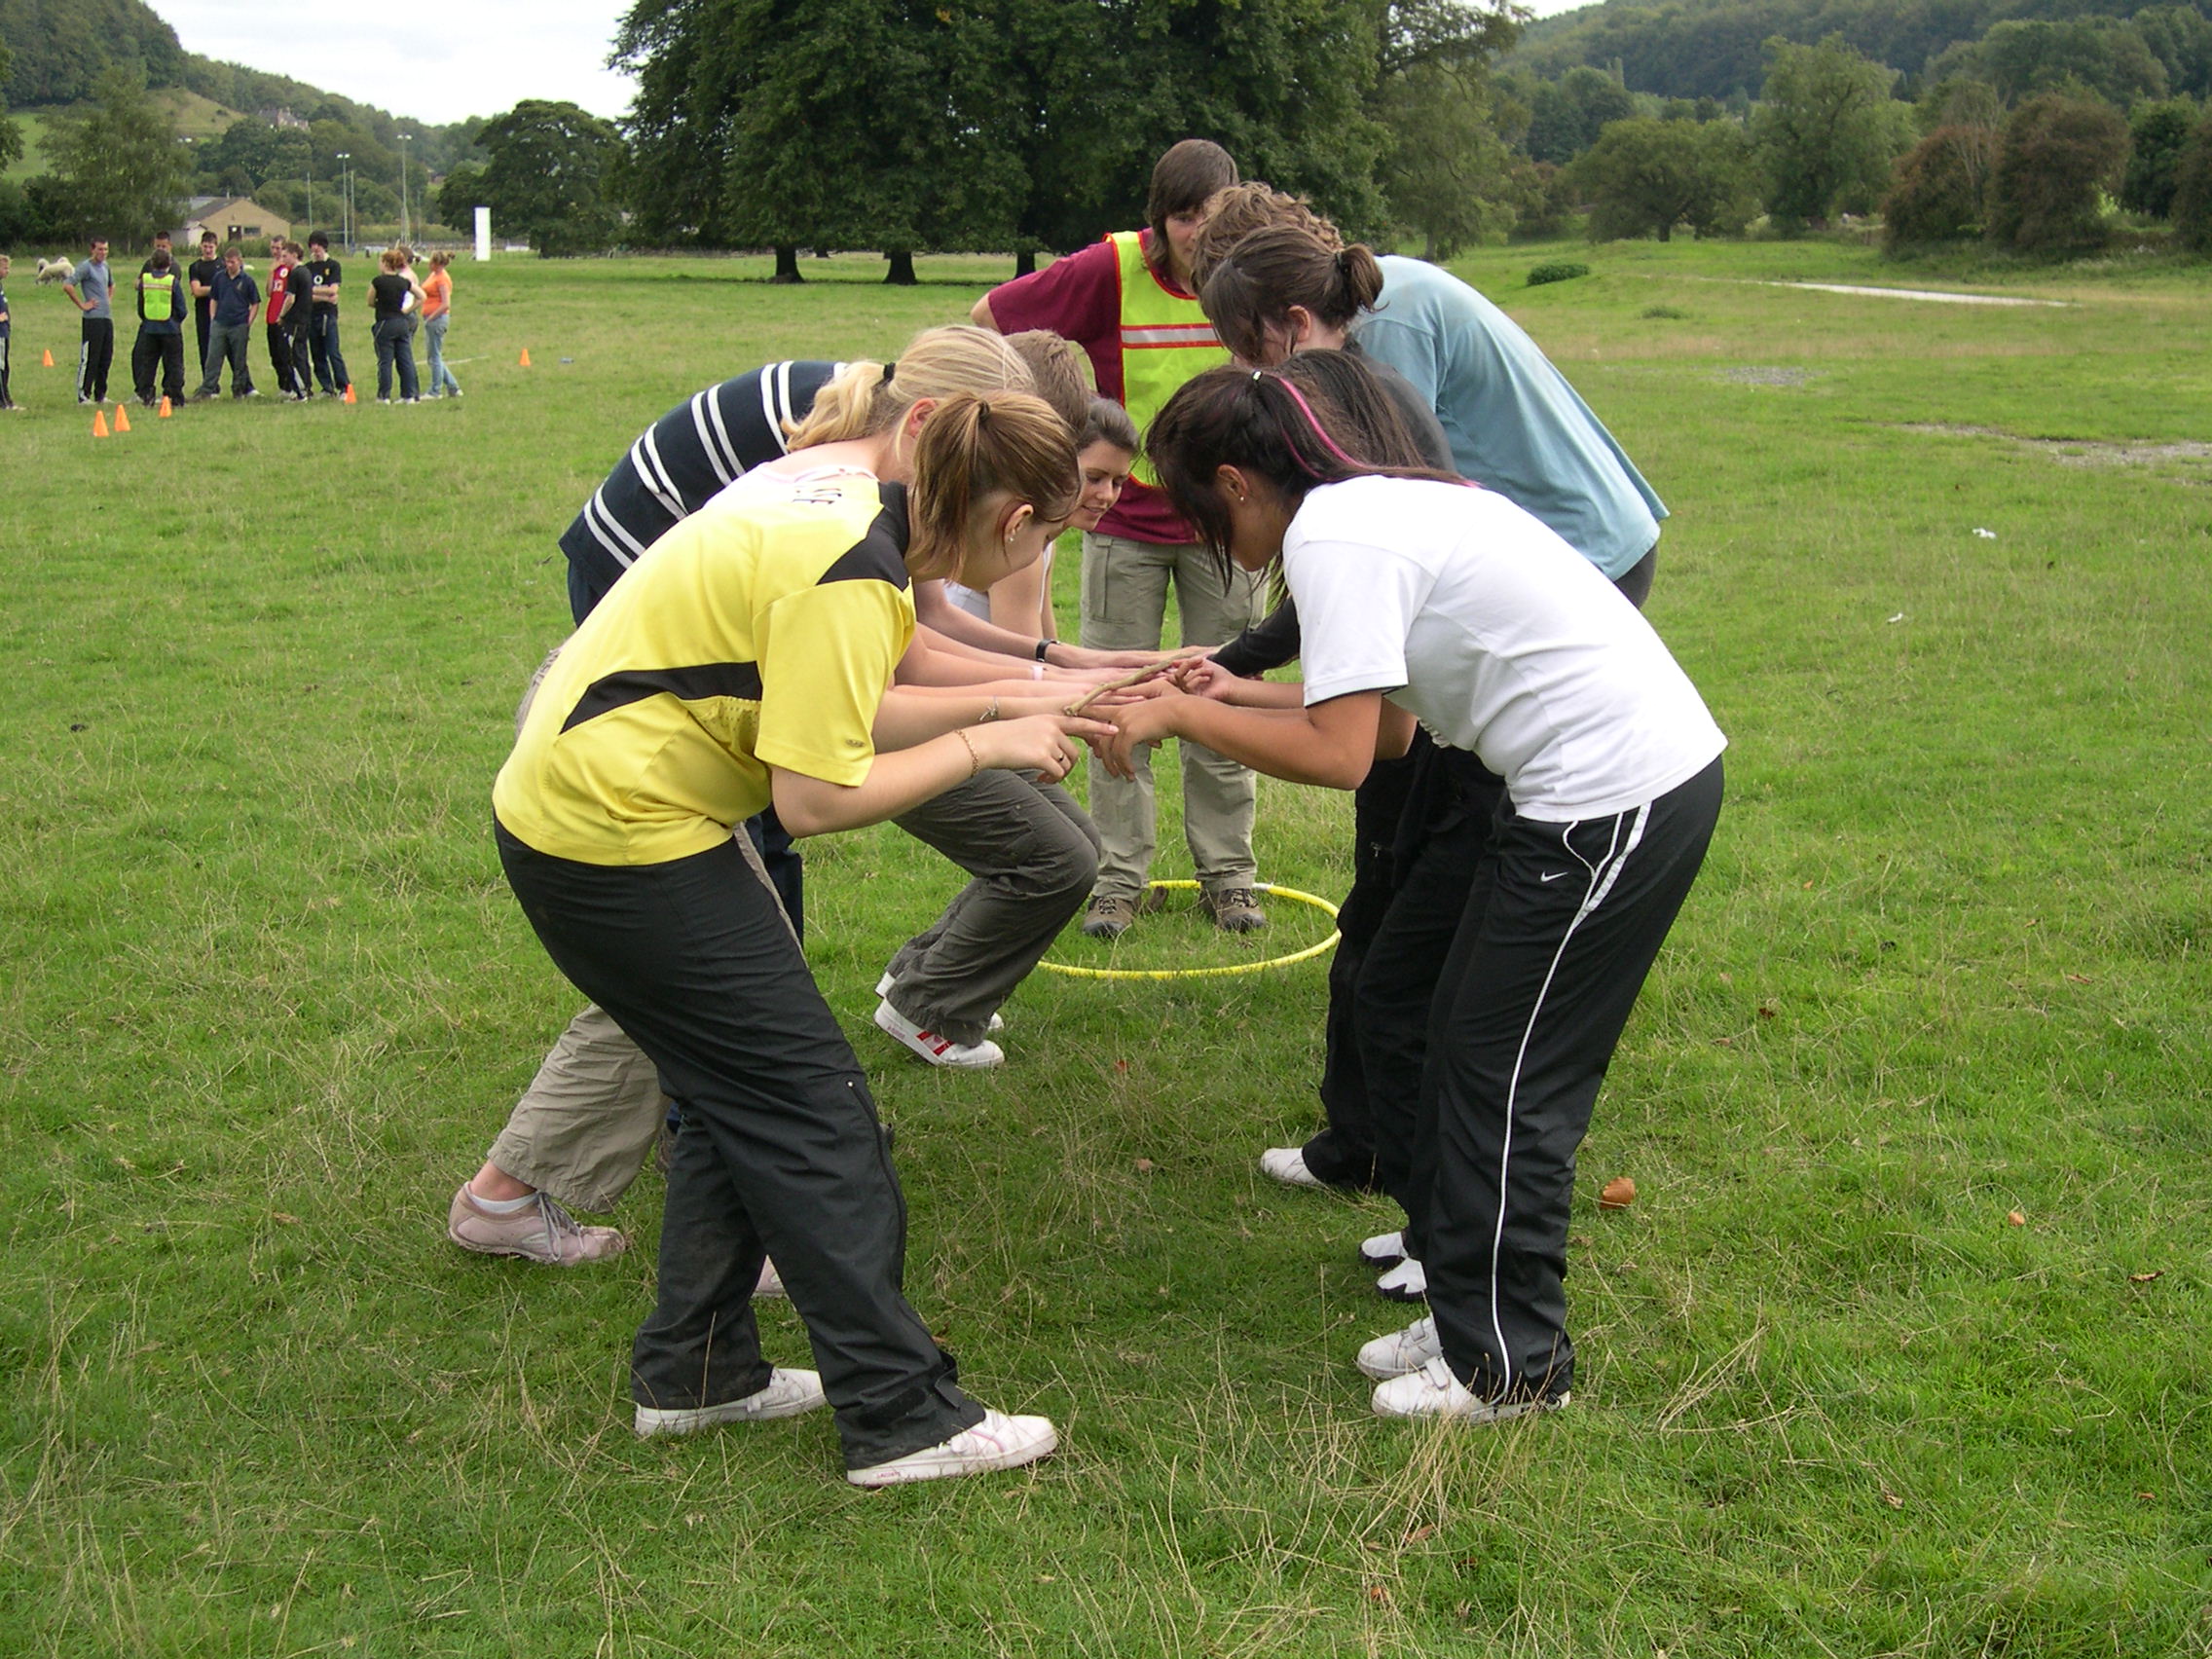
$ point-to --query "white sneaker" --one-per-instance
(787, 1394)
(1401, 1352)
(883, 989)
(1383, 1250)
(1405, 1283)
(938, 1051)
(1288, 1164)
(1433, 1391)
(998, 1442)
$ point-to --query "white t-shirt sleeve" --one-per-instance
(1356, 604)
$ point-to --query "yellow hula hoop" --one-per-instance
(1312, 950)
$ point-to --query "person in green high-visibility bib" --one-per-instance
(1127, 300)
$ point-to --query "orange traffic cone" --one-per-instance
(349, 398)
(122, 419)
(526, 357)
(100, 424)
(164, 414)
(48, 362)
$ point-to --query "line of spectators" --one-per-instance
(298, 313)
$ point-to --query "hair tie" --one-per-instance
(889, 369)
(983, 412)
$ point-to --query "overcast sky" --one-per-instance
(437, 61)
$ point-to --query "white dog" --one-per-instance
(55, 269)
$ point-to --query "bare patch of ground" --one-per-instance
(1936, 295)
(1755, 374)
(2079, 452)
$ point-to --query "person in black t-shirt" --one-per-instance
(200, 279)
(394, 291)
(299, 324)
(323, 277)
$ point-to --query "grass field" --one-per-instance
(1903, 1349)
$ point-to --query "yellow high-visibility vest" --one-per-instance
(1166, 340)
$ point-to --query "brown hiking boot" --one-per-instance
(1234, 909)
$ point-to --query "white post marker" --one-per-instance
(483, 234)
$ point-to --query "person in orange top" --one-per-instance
(437, 312)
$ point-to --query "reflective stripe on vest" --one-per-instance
(157, 294)
(1166, 340)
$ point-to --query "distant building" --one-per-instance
(281, 118)
(233, 218)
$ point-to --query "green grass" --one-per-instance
(266, 1000)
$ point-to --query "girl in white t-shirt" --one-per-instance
(1424, 598)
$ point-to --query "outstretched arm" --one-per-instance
(1332, 743)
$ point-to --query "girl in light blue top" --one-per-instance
(1514, 423)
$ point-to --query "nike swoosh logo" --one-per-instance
(1554, 876)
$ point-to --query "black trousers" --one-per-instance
(302, 354)
(95, 355)
(164, 352)
(1445, 831)
(1422, 826)
(5, 345)
(780, 1151)
(280, 358)
(1561, 925)
(1342, 1153)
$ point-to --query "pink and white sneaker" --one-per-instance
(938, 1051)
(998, 1442)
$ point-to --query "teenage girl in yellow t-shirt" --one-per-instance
(746, 658)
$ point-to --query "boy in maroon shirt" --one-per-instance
(1131, 294)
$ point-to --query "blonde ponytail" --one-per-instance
(868, 398)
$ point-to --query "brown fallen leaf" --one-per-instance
(2146, 1278)
(1765, 1012)
(1419, 1534)
(287, 1220)
(2081, 979)
(1892, 1499)
(1145, 1167)
(2015, 1219)
(1619, 1192)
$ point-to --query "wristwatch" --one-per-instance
(1043, 646)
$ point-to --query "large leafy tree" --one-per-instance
(2060, 155)
(2192, 190)
(906, 125)
(1566, 115)
(1644, 177)
(1446, 173)
(547, 176)
(118, 169)
(1941, 190)
(1827, 130)
(2156, 138)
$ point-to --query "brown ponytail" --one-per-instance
(971, 448)
(1249, 290)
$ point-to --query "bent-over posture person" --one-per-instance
(746, 658)
(581, 1131)
(1279, 283)
(1422, 597)
(1127, 302)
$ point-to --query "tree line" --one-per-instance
(1717, 48)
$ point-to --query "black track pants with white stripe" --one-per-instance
(1561, 925)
